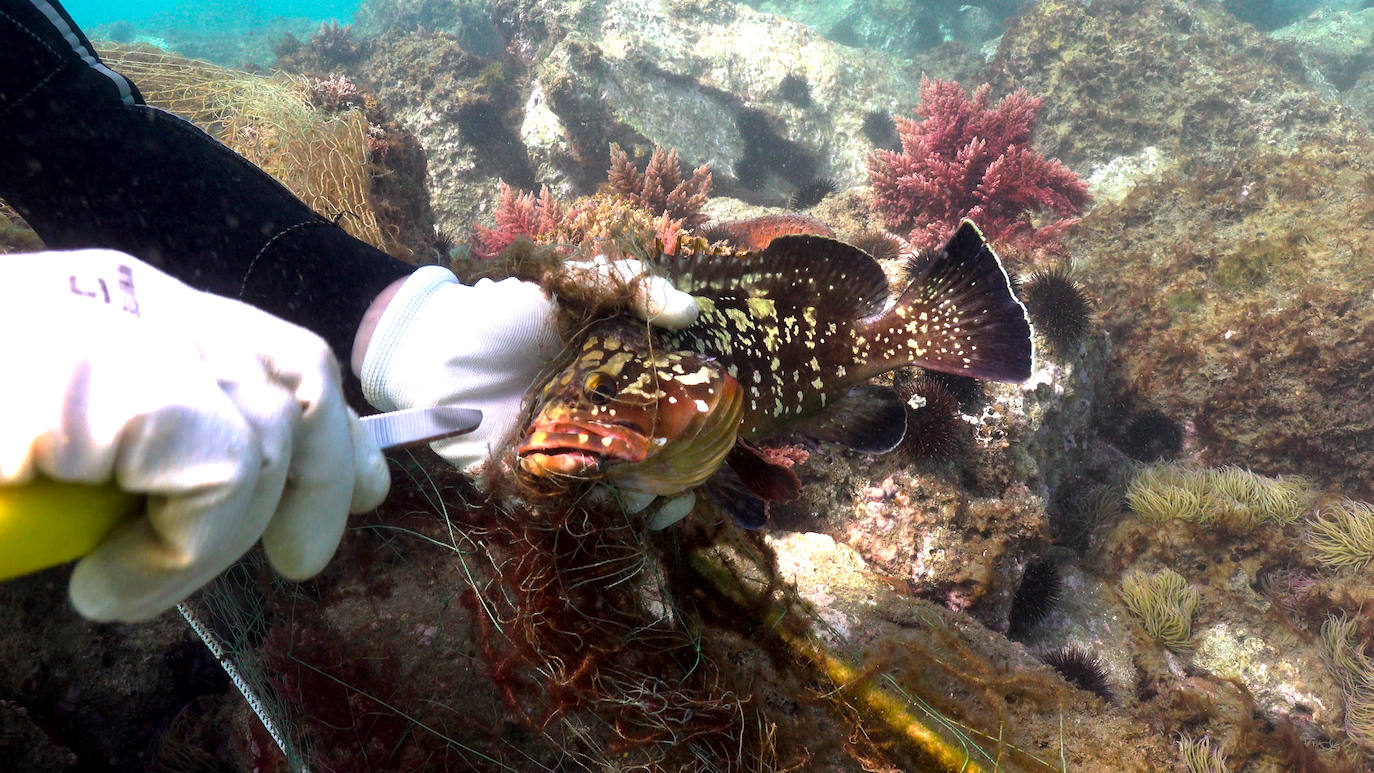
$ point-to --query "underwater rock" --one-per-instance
(1287, 680)
(981, 677)
(895, 27)
(1231, 278)
(1336, 45)
(1248, 628)
(26, 746)
(1109, 182)
(104, 691)
(959, 530)
(1119, 76)
(464, 109)
(702, 78)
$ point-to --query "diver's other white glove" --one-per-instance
(231, 421)
(436, 341)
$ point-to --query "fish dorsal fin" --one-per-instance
(958, 316)
(801, 270)
(869, 417)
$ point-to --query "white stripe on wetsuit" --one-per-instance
(87, 55)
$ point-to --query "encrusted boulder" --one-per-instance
(1119, 76)
(1231, 278)
(769, 103)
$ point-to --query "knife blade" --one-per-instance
(420, 425)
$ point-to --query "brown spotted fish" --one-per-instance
(786, 341)
(632, 413)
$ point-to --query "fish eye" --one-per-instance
(598, 388)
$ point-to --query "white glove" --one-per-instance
(231, 420)
(439, 342)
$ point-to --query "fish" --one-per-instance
(757, 233)
(787, 340)
(631, 413)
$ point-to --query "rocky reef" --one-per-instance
(902, 607)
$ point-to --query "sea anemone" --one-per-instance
(1082, 669)
(1167, 492)
(1035, 596)
(1058, 307)
(1164, 603)
(935, 429)
(1200, 756)
(1354, 672)
(794, 88)
(1341, 534)
(811, 194)
(1230, 495)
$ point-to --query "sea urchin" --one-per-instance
(1058, 307)
(1082, 669)
(935, 430)
(882, 246)
(811, 194)
(794, 88)
(1035, 596)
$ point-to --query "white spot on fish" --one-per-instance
(702, 376)
(701, 405)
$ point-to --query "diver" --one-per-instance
(183, 336)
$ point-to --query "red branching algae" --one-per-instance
(660, 187)
(965, 159)
(517, 214)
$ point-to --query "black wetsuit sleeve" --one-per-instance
(87, 164)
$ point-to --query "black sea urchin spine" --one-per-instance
(1082, 669)
(811, 194)
(1035, 596)
(1059, 308)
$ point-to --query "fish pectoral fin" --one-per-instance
(730, 494)
(769, 481)
(868, 418)
(744, 486)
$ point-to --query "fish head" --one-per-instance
(627, 412)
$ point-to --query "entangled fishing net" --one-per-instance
(455, 632)
(322, 157)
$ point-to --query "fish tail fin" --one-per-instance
(959, 316)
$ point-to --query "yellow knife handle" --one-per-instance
(46, 523)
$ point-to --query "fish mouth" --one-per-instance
(561, 463)
(577, 449)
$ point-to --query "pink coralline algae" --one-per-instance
(517, 214)
(964, 159)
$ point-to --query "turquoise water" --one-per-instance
(231, 17)
(234, 34)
